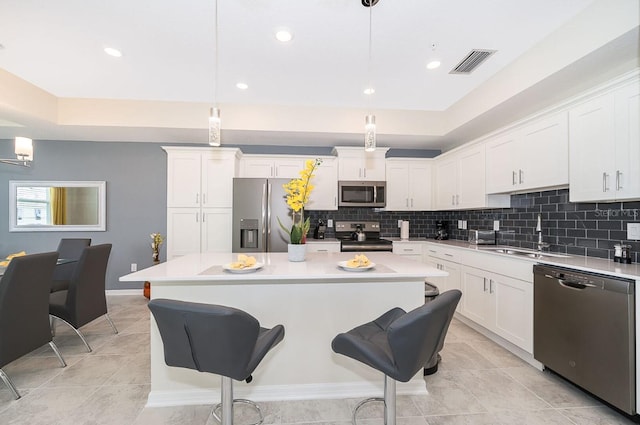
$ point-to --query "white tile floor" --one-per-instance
(478, 383)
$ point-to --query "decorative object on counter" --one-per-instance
(442, 230)
(298, 191)
(404, 230)
(622, 253)
(320, 230)
(10, 257)
(23, 151)
(155, 246)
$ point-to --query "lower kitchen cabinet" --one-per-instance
(198, 230)
(501, 304)
(445, 283)
(410, 250)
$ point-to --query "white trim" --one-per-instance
(124, 292)
(416, 386)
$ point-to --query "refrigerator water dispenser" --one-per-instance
(248, 233)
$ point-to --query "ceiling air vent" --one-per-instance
(472, 61)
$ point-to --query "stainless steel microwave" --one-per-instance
(362, 194)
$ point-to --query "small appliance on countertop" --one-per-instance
(442, 230)
(622, 253)
(319, 231)
(482, 237)
(355, 236)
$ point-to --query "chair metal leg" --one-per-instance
(389, 402)
(52, 325)
(115, 331)
(227, 402)
(9, 384)
(54, 347)
(86, 344)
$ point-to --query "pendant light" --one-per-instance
(370, 119)
(214, 113)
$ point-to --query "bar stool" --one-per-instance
(214, 339)
(399, 344)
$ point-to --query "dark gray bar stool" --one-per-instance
(399, 344)
(215, 339)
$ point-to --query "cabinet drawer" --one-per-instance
(443, 253)
(323, 247)
(407, 248)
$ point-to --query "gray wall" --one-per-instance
(136, 176)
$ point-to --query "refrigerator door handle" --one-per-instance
(264, 216)
(268, 222)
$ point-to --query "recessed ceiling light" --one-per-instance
(113, 52)
(369, 90)
(242, 86)
(284, 35)
(433, 64)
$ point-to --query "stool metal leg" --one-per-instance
(227, 402)
(389, 401)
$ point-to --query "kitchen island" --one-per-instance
(314, 300)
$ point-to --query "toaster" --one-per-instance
(482, 237)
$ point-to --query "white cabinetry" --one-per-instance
(460, 181)
(604, 151)
(501, 304)
(445, 260)
(356, 164)
(325, 182)
(268, 166)
(411, 250)
(199, 199)
(323, 246)
(408, 184)
(535, 156)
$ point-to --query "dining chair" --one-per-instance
(24, 314)
(84, 300)
(68, 249)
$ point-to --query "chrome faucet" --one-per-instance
(541, 244)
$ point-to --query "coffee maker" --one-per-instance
(321, 228)
(442, 230)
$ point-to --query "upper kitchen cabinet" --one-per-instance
(531, 157)
(269, 166)
(354, 163)
(325, 182)
(460, 181)
(408, 184)
(604, 146)
(198, 177)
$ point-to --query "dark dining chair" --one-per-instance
(215, 339)
(85, 299)
(399, 344)
(68, 249)
(24, 310)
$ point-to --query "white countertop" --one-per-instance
(318, 267)
(584, 263)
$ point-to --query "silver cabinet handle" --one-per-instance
(513, 178)
(521, 176)
(365, 173)
(408, 249)
(453, 199)
(322, 250)
(406, 202)
(484, 284)
(203, 217)
(432, 251)
(271, 171)
(605, 177)
(197, 217)
(618, 180)
(491, 286)
(412, 202)
(448, 255)
(359, 172)
(457, 199)
(335, 201)
(197, 198)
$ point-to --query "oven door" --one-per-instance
(361, 194)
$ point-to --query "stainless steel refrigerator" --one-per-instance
(257, 205)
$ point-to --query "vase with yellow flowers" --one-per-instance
(297, 194)
(157, 240)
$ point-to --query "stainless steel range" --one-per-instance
(361, 236)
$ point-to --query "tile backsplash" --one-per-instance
(589, 229)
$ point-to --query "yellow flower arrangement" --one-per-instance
(298, 191)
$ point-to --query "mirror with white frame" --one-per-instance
(54, 206)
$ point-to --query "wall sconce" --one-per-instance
(24, 153)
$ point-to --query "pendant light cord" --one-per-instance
(370, 49)
(215, 81)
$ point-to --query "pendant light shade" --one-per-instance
(370, 133)
(214, 127)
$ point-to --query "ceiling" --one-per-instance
(59, 83)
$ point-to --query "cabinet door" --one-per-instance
(217, 180)
(446, 181)
(476, 301)
(374, 166)
(513, 301)
(453, 281)
(471, 178)
(288, 168)
(503, 161)
(397, 186)
(257, 167)
(183, 179)
(627, 177)
(350, 168)
(183, 231)
(216, 230)
(325, 182)
(591, 150)
(419, 186)
(544, 153)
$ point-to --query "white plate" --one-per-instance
(343, 264)
(251, 269)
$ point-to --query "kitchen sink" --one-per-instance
(523, 252)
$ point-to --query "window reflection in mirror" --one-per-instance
(56, 206)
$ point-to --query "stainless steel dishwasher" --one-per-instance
(584, 330)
